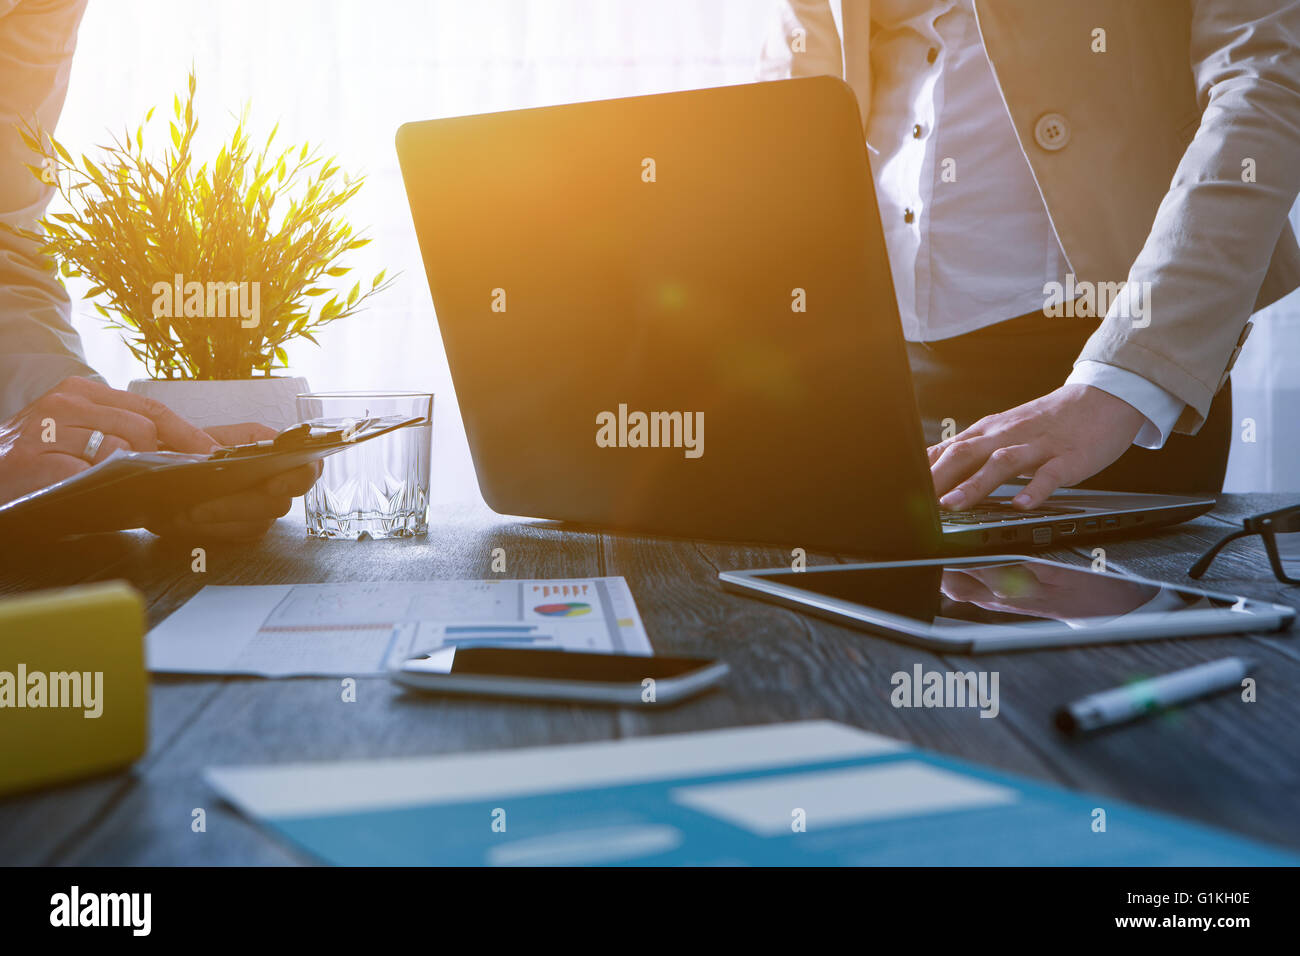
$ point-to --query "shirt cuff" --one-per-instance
(1160, 408)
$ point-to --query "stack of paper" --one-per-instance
(366, 628)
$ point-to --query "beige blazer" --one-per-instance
(1173, 157)
(38, 345)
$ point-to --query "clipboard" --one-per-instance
(138, 489)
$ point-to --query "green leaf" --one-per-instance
(62, 153)
(29, 141)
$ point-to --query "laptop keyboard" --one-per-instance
(992, 513)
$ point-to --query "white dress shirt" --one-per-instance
(970, 242)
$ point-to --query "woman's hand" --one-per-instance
(48, 440)
(245, 515)
(1059, 439)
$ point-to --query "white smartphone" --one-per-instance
(1005, 602)
(559, 675)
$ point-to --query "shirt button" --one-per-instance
(932, 55)
(1052, 131)
(916, 131)
(908, 215)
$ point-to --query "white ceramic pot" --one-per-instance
(268, 401)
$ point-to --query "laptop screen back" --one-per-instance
(674, 314)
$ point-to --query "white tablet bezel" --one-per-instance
(1246, 614)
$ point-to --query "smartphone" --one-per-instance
(559, 675)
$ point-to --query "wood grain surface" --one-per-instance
(1219, 761)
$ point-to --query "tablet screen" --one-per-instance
(995, 592)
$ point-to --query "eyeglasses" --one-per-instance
(1269, 525)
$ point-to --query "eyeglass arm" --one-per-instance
(1203, 562)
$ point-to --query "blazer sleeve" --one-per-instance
(1215, 230)
(38, 345)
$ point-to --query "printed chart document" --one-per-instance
(366, 628)
(813, 793)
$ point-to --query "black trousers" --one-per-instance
(1004, 365)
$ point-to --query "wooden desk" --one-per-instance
(1220, 761)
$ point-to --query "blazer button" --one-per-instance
(1052, 131)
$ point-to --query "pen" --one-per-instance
(1110, 707)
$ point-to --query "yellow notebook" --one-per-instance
(74, 696)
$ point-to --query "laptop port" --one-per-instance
(1009, 534)
(1110, 522)
(1090, 525)
(1042, 535)
(1066, 527)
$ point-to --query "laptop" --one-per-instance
(673, 314)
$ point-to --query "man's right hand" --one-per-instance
(46, 441)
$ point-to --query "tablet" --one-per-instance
(1005, 602)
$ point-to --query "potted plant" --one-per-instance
(207, 269)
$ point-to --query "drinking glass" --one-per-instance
(377, 488)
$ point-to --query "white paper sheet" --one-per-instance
(364, 628)
(321, 788)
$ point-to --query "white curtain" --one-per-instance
(345, 74)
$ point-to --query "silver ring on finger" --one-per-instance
(92, 445)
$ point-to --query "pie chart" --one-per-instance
(568, 609)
